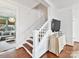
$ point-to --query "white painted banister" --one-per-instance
(39, 36)
(43, 26)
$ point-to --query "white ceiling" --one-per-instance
(28, 3)
(63, 3)
(59, 4)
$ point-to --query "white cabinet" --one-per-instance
(62, 42)
(56, 44)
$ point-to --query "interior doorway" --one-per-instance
(7, 28)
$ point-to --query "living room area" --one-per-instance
(7, 32)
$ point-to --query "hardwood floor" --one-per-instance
(76, 46)
(21, 53)
(65, 53)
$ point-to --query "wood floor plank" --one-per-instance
(21, 53)
(66, 52)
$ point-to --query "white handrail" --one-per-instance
(43, 26)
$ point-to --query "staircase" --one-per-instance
(37, 41)
(38, 45)
(40, 39)
(28, 46)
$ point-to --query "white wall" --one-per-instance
(76, 22)
(25, 17)
(65, 15)
(42, 9)
(51, 12)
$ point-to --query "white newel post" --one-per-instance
(49, 26)
(35, 42)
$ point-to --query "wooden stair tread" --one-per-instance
(22, 53)
(28, 47)
(30, 41)
(31, 37)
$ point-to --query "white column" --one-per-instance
(35, 43)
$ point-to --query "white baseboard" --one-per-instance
(76, 41)
(70, 44)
